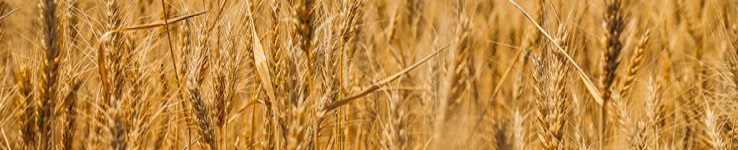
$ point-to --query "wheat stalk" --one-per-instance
(379, 84)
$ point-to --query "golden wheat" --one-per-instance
(368, 74)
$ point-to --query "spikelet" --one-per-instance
(635, 62)
(194, 62)
(461, 70)
(714, 138)
(25, 90)
(50, 74)
(304, 27)
(614, 22)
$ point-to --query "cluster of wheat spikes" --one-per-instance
(368, 74)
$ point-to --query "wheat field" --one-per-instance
(368, 74)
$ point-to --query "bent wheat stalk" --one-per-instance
(379, 84)
(107, 35)
(582, 75)
(151, 25)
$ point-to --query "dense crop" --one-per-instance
(368, 74)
